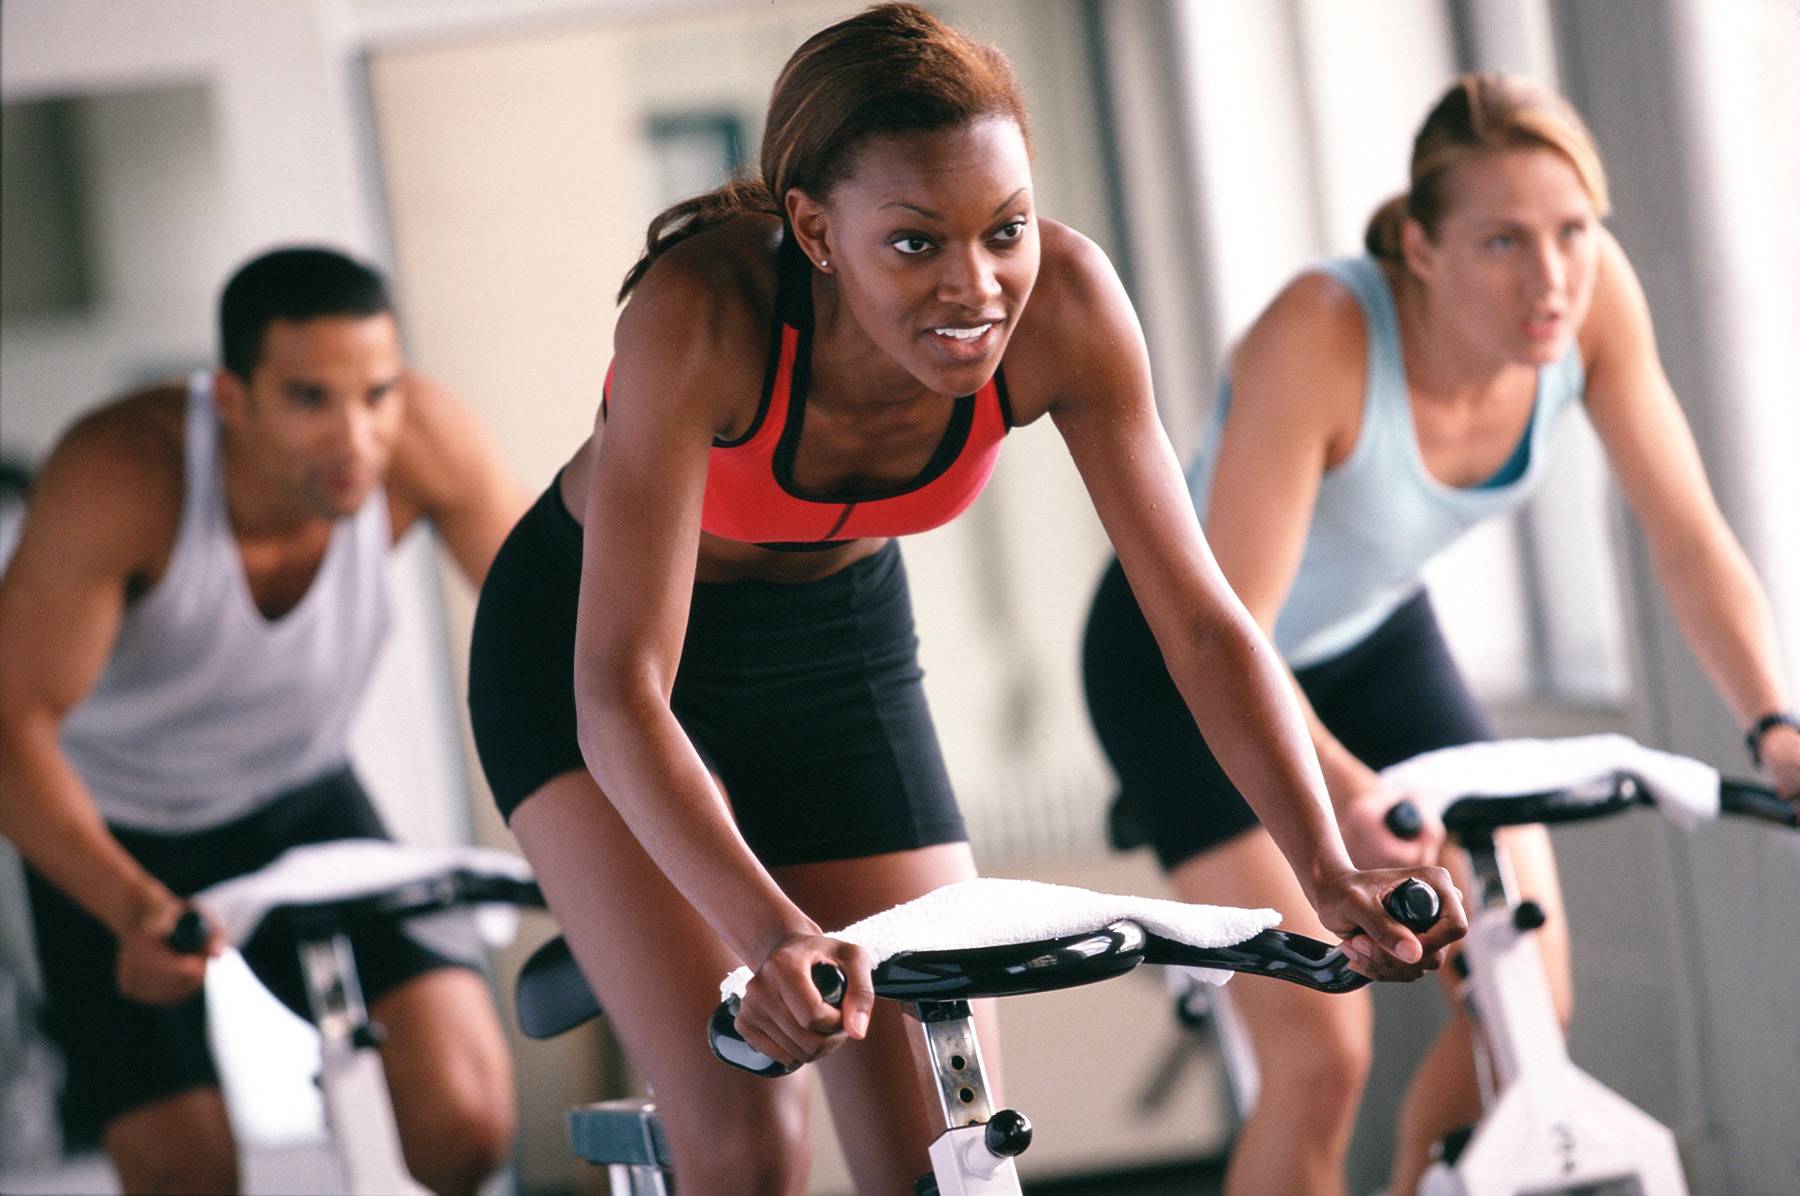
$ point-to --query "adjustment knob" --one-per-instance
(1529, 916)
(1008, 1133)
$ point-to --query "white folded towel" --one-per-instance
(1687, 791)
(988, 912)
(348, 868)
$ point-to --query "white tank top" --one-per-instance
(207, 708)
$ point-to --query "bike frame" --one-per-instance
(359, 1110)
(1547, 1127)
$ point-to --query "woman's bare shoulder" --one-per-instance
(698, 325)
(720, 280)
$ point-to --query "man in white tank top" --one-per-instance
(188, 623)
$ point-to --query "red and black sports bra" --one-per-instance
(751, 495)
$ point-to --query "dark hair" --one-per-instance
(1478, 115)
(296, 283)
(893, 68)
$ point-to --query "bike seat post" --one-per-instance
(332, 988)
(358, 1107)
(955, 1060)
(1494, 885)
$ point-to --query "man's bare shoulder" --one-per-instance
(117, 474)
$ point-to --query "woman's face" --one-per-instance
(1513, 261)
(933, 241)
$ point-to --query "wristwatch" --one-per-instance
(1762, 726)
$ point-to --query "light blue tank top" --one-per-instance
(1380, 515)
(206, 707)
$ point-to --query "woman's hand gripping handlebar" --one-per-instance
(1394, 931)
(732, 1040)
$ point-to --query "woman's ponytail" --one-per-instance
(1382, 237)
(676, 224)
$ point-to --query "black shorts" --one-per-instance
(804, 699)
(1393, 695)
(122, 1054)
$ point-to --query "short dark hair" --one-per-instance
(297, 283)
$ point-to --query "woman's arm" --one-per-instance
(1237, 688)
(1297, 395)
(1719, 604)
(671, 394)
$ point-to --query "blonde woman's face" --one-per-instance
(1514, 259)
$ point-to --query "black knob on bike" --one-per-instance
(189, 936)
(1008, 1133)
(1403, 820)
(830, 982)
(1413, 904)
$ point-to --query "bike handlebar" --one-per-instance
(1749, 799)
(1017, 968)
(728, 1046)
(1621, 791)
(426, 895)
(190, 934)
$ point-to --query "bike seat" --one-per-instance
(551, 995)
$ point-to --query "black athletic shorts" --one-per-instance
(122, 1054)
(1393, 695)
(805, 699)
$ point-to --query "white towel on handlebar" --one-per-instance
(1685, 790)
(990, 912)
(347, 868)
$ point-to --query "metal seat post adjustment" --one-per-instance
(357, 1103)
(974, 1155)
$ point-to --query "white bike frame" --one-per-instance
(359, 1111)
(1547, 1127)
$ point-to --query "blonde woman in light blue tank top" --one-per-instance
(1376, 409)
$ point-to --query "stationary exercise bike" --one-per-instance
(974, 1154)
(414, 883)
(1547, 1127)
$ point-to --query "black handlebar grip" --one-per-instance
(1413, 904)
(189, 936)
(729, 1046)
(1404, 820)
(830, 982)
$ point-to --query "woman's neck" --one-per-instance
(1443, 365)
(848, 370)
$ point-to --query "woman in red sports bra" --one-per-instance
(711, 745)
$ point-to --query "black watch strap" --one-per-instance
(1762, 726)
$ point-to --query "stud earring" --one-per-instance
(823, 263)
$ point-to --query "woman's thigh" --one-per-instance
(1298, 1034)
(655, 966)
(882, 1099)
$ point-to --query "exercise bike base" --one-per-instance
(1593, 1142)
